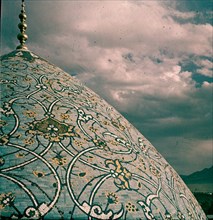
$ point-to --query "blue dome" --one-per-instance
(67, 154)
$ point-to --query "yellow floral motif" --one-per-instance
(154, 171)
(142, 162)
(112, 198)
(106, 123)
(119, 173)
(101, 144)
(18, 135)
(113, 142)
(118, 125)
(78, 143)
(90, 159)
(45, 96)
(131, 207)
(27, 79)
(52, 129)
(6, 199)
(59, 160)
(64, 116)
(46, 81)
(38, 173)
(35, 70)
(93, 129)
(20, 155)
(93, 98)
(28, 141)
(4, 139)
(1, 161)
(30, 114)
(2, 123)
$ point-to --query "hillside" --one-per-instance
(204, 176)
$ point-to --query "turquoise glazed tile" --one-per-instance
(67, 154)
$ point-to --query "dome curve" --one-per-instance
(67, 154)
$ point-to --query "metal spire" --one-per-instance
(22, 37)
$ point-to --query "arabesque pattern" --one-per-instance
(67, 154)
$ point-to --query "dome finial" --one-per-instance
(22, 37)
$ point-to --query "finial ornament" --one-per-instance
(22, 37)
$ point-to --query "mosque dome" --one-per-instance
(67, 154)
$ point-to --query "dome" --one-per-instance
(67, 154)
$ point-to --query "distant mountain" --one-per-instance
(199, 177)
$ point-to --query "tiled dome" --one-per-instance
(67, 154)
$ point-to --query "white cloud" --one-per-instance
(205, 67)
(182, 15)
(130, 53)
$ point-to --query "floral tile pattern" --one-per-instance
(67, 154)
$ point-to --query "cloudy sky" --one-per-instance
(151, 60)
